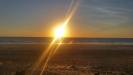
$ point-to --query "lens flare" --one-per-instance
(59, 33)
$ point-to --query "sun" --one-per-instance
(60, 31)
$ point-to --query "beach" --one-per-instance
(96, 56)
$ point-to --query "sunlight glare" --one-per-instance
(60, 31)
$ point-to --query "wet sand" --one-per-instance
(80, 54)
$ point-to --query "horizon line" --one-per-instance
(52, 37)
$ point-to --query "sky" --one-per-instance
(93, 18)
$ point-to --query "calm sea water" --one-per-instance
(45, 40)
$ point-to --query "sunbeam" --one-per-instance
(59, 33)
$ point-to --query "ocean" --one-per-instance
(45, 40)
